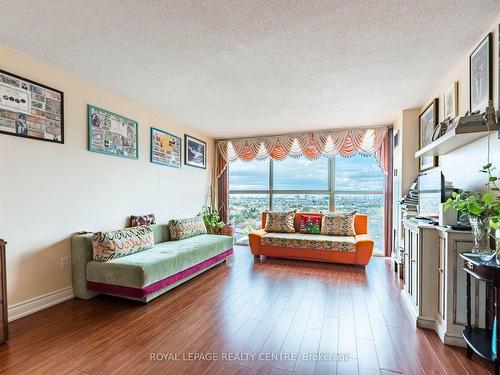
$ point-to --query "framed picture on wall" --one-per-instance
(29, 109)
(427, 121)
(112, 134)
(450, 101)
(480, 75)
(195, 152)
(165, 148)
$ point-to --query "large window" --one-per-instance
(341, 184)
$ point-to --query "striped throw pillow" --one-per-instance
(180, 229)
(119, 243)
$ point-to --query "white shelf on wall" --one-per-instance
(453, 140)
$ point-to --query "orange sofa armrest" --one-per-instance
(361, 224)
(364, 249)
(254, 238)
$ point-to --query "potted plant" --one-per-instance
(212, 220)
(483, 210)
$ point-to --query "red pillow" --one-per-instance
(310, 224)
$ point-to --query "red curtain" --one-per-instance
(385, 158)
(222, 188)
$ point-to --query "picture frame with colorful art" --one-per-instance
(29, 109)
(112, 134)
(427, 122)
(195, 152)
(450, 101)
(165, 148)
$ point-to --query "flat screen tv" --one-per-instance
(431, 194)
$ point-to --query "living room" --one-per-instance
(273, 187)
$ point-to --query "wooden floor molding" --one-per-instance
(33, 305)
(279, 311)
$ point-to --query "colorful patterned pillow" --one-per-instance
(123, 242)
(180, 229)
(338, 224)
(281, 222)
(136, 221)
(310, 224)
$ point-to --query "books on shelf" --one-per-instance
(409, 202)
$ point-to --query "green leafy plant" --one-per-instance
(479, 204)
(212, 220)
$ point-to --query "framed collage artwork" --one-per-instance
(112, 134)
(30, 110)
(166, 148)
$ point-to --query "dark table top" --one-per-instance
(474, 259)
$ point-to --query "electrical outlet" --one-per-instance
(64, 262)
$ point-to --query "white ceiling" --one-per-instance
(237, 68)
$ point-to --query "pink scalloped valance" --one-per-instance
(345, 142)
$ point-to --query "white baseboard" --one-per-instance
(33, 305)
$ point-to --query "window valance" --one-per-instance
(312, 145)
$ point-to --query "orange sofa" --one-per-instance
(296, 246)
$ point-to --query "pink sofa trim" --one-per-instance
(127, 291)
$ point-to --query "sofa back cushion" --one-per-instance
(338, 224)
(160, 232)
(310, 224)
(181, 229)
(119, 243)
(280, 222)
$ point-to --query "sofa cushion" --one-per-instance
(310, 224)
(280, 222)
(160, 232)
(165, 259)
(120, 243)
(180, 229)
(338, 224)
(309, 241)
(136, 221)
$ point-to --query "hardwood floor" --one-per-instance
(284, 310)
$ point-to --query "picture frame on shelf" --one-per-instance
(480, 75)
(29, 109)
(195, 152)
(112, 134)
(427, 122)
(165, 148)
(450, 101)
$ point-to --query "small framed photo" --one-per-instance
(29, 109)
(450, 100)
(480, 67)
(195, 152)
(165, 148)
(428, 120)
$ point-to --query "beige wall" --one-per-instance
(461, 166)
(404, 161)
(49, 191)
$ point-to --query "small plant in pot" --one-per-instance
(212, 220)
(483, 210)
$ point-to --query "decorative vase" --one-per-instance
(481, 234)
(228, 230)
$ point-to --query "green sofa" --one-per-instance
(147, 274)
